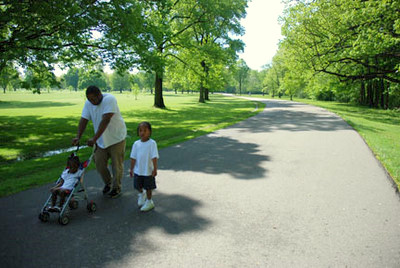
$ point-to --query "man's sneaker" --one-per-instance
(114, 193)
(148, 205)
(141, 198)
(106, 189)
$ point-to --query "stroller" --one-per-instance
(71, 202)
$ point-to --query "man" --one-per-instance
(109, 136)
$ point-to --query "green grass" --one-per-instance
(34, 124)
(379, 128)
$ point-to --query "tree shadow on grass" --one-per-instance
(216, 155)
(28, 105)
(33, 135)
(117, 230)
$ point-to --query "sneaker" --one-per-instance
(106, 189)
(148, 205)
(141, 198)
(56, 209)
(114, 193)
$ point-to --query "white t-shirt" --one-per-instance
(116, 129)
(70, 178)
(144, 152)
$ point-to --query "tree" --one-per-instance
(46, 31)
(50, 32)
(7, 75)
(38, 78)
(72, 78)
(355, 41)
(241, 73)
(210, 45)
(93, 77)
(120, 81)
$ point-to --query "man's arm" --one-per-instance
(81, 128)
(102, 127)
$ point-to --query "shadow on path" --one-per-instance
(292, 116)
(216, 155)
(109, 235)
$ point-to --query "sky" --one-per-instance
(263, 32)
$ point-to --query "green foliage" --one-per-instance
(125, 34)
(9, 76)
(120, 81)
(354, 41)
(38, 77)
(241, 71)
(72, 78)
(93, 77)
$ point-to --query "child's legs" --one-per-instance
(149, 184)
(117, 152)
(63, 195)
(148, 194)
(54, 193)
(138, 183)
(101, 160)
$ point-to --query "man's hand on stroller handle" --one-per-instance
(91, 142)
(75, 141)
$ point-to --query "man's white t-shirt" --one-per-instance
(116, 129)
(70, 178)
(144, 152)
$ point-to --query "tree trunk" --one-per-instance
(201, 97)
(158, 97)
(387, 98)
(206, 94)
(382, 97)
(362, 93)
(369, 94)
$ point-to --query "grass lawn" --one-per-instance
(379, 128)
(34, 124)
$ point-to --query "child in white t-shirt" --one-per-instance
(68, 179)
(144, 156)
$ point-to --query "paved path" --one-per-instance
(294, 186)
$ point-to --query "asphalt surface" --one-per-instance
(293, 186)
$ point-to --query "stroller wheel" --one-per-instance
(73, 204)
(44, 216)
(64, 220)
(91, 206)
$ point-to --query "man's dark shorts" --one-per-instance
(144, 182)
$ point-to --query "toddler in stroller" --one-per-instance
(67, 181)
(69, 187)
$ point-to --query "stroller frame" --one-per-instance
(78, 193)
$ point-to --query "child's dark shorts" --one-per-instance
(144, 182)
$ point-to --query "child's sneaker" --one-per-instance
(56, 209)
(50, 208)
(148, 205)
(141, 198)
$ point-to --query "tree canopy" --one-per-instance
(355, 42)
